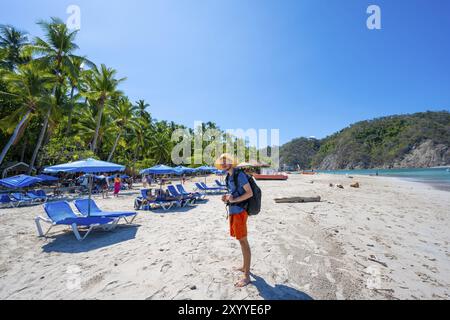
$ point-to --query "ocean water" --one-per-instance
(437, 177)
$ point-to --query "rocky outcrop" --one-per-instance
(427, 154)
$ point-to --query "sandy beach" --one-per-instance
(389, 239)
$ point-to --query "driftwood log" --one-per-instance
(298, 199)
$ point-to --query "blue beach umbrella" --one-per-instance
(206, 169)
(182, 170)
(86, 166)
(159, 169)
(20, 181)
(47, 178)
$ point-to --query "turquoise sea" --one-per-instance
(438, 177)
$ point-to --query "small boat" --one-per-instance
(270, 176)
(309, 172)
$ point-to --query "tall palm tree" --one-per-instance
(142, 109)
(102, 87)
(122, 112)
(87, 125)
(12, 43)
(140, 137)
(31, 88)
(56, 54)
(161, 146)
(75, 79)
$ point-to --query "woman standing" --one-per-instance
(116, 186)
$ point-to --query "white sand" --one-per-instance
(319, 250)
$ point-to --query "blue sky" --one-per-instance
(306, 67)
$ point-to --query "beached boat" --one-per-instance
(309, 172)
(270, 176)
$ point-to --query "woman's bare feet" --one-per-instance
(243, 282)
(241, 269)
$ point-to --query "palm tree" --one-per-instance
(87, 125)
(122, 112)
(31, 88)
(12, 43)
(141, 109)
(56, 55)
(75, 79)
(139, 139)
(161, 145)
(102, 87)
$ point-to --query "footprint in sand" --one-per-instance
(165, 267)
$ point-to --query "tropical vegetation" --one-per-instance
(58, 106)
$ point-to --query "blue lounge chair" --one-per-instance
(83, 204)
(197, 195)
(35, 197)
(186, 198)
(213, 188)
(6, 201)
(203, 187)
(22, 199)
(60, 213)
(220, 184)
(159, 202)
(41, 193)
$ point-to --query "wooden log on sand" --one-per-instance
(298, 199)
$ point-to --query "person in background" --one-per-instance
(144, 182)
(149, 180)
(104, 183)
(117, 183)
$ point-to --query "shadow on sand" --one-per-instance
(278, 292)
(67, 243)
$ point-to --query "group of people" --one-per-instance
(102, 183)
(148, 180)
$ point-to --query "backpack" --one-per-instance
(252, 205)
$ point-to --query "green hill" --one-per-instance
(415, 140)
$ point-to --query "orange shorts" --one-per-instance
(238, 225)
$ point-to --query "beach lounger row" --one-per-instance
(183, 198)
(17, 199)
(201, 186)
(60, 213)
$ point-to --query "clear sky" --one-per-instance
(306, 67)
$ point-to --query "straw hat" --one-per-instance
(229, 159)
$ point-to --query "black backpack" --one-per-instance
(252, 205)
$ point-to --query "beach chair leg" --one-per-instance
(38, 220)
(77, 233)
(132, 219)
(38, 226)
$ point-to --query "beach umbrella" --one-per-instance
(47, 178)
(158, 170)
(20, 181)
(86, 166)
(182, 170)
(206, 169)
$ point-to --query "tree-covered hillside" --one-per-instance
(416, 140)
